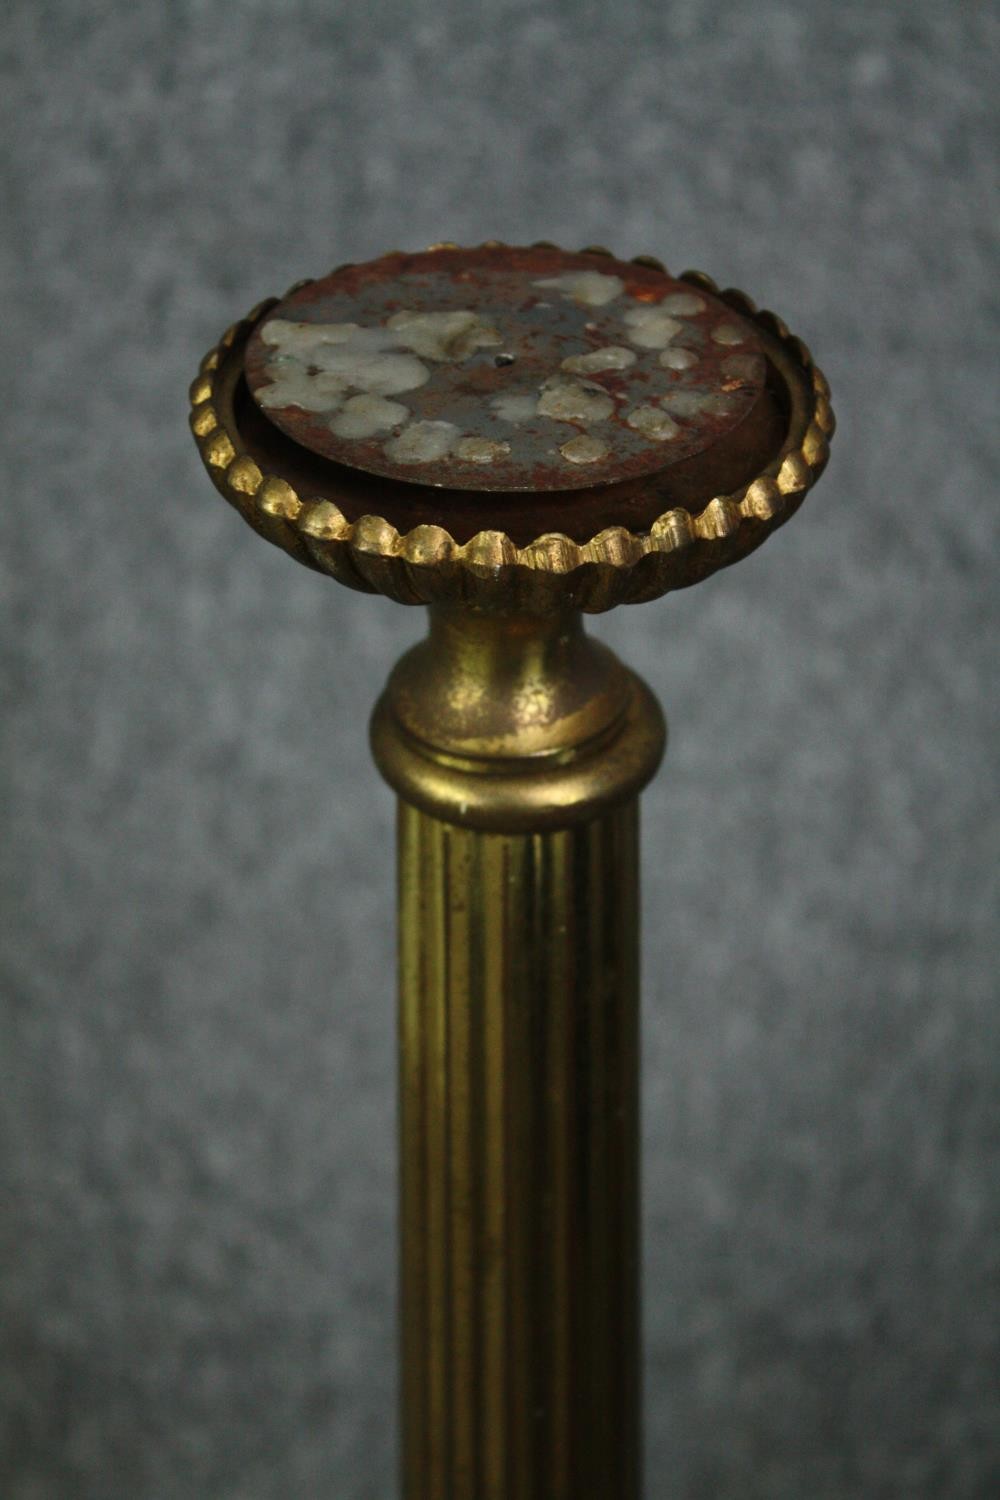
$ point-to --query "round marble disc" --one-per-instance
(504, 369)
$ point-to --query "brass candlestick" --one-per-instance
(515, 437)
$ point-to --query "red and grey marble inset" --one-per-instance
(504, 369)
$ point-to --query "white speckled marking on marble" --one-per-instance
(514, 407)
(568, 400)
(698, 403)
(422, 442)
(651, 327)
(589, 288)
(477, 450)
(678, 359)
(683, 304)
(443, 335)
(364, 416)
(614, 357)
(584, 449)
(653, 422)
(728, 333)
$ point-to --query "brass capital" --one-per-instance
(511, 723)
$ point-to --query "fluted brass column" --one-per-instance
(519, 1058)
(515, 436)
(518, 1118)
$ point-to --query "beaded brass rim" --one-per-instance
(427, 565)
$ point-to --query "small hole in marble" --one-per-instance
(503, 359)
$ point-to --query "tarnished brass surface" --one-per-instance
(519, 1139)
(515, 723)
(518, 746)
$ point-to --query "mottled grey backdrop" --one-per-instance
(197, 1023)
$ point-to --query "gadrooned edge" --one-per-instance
(428, 566)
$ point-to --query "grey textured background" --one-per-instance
(197, 1028)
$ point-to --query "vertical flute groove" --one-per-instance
(519, 1197)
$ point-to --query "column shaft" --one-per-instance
(519, 1133)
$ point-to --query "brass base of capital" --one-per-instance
(513, 724)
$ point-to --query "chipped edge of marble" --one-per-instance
(372, 545)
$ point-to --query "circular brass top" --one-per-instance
(504, 369)
(516, 429)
